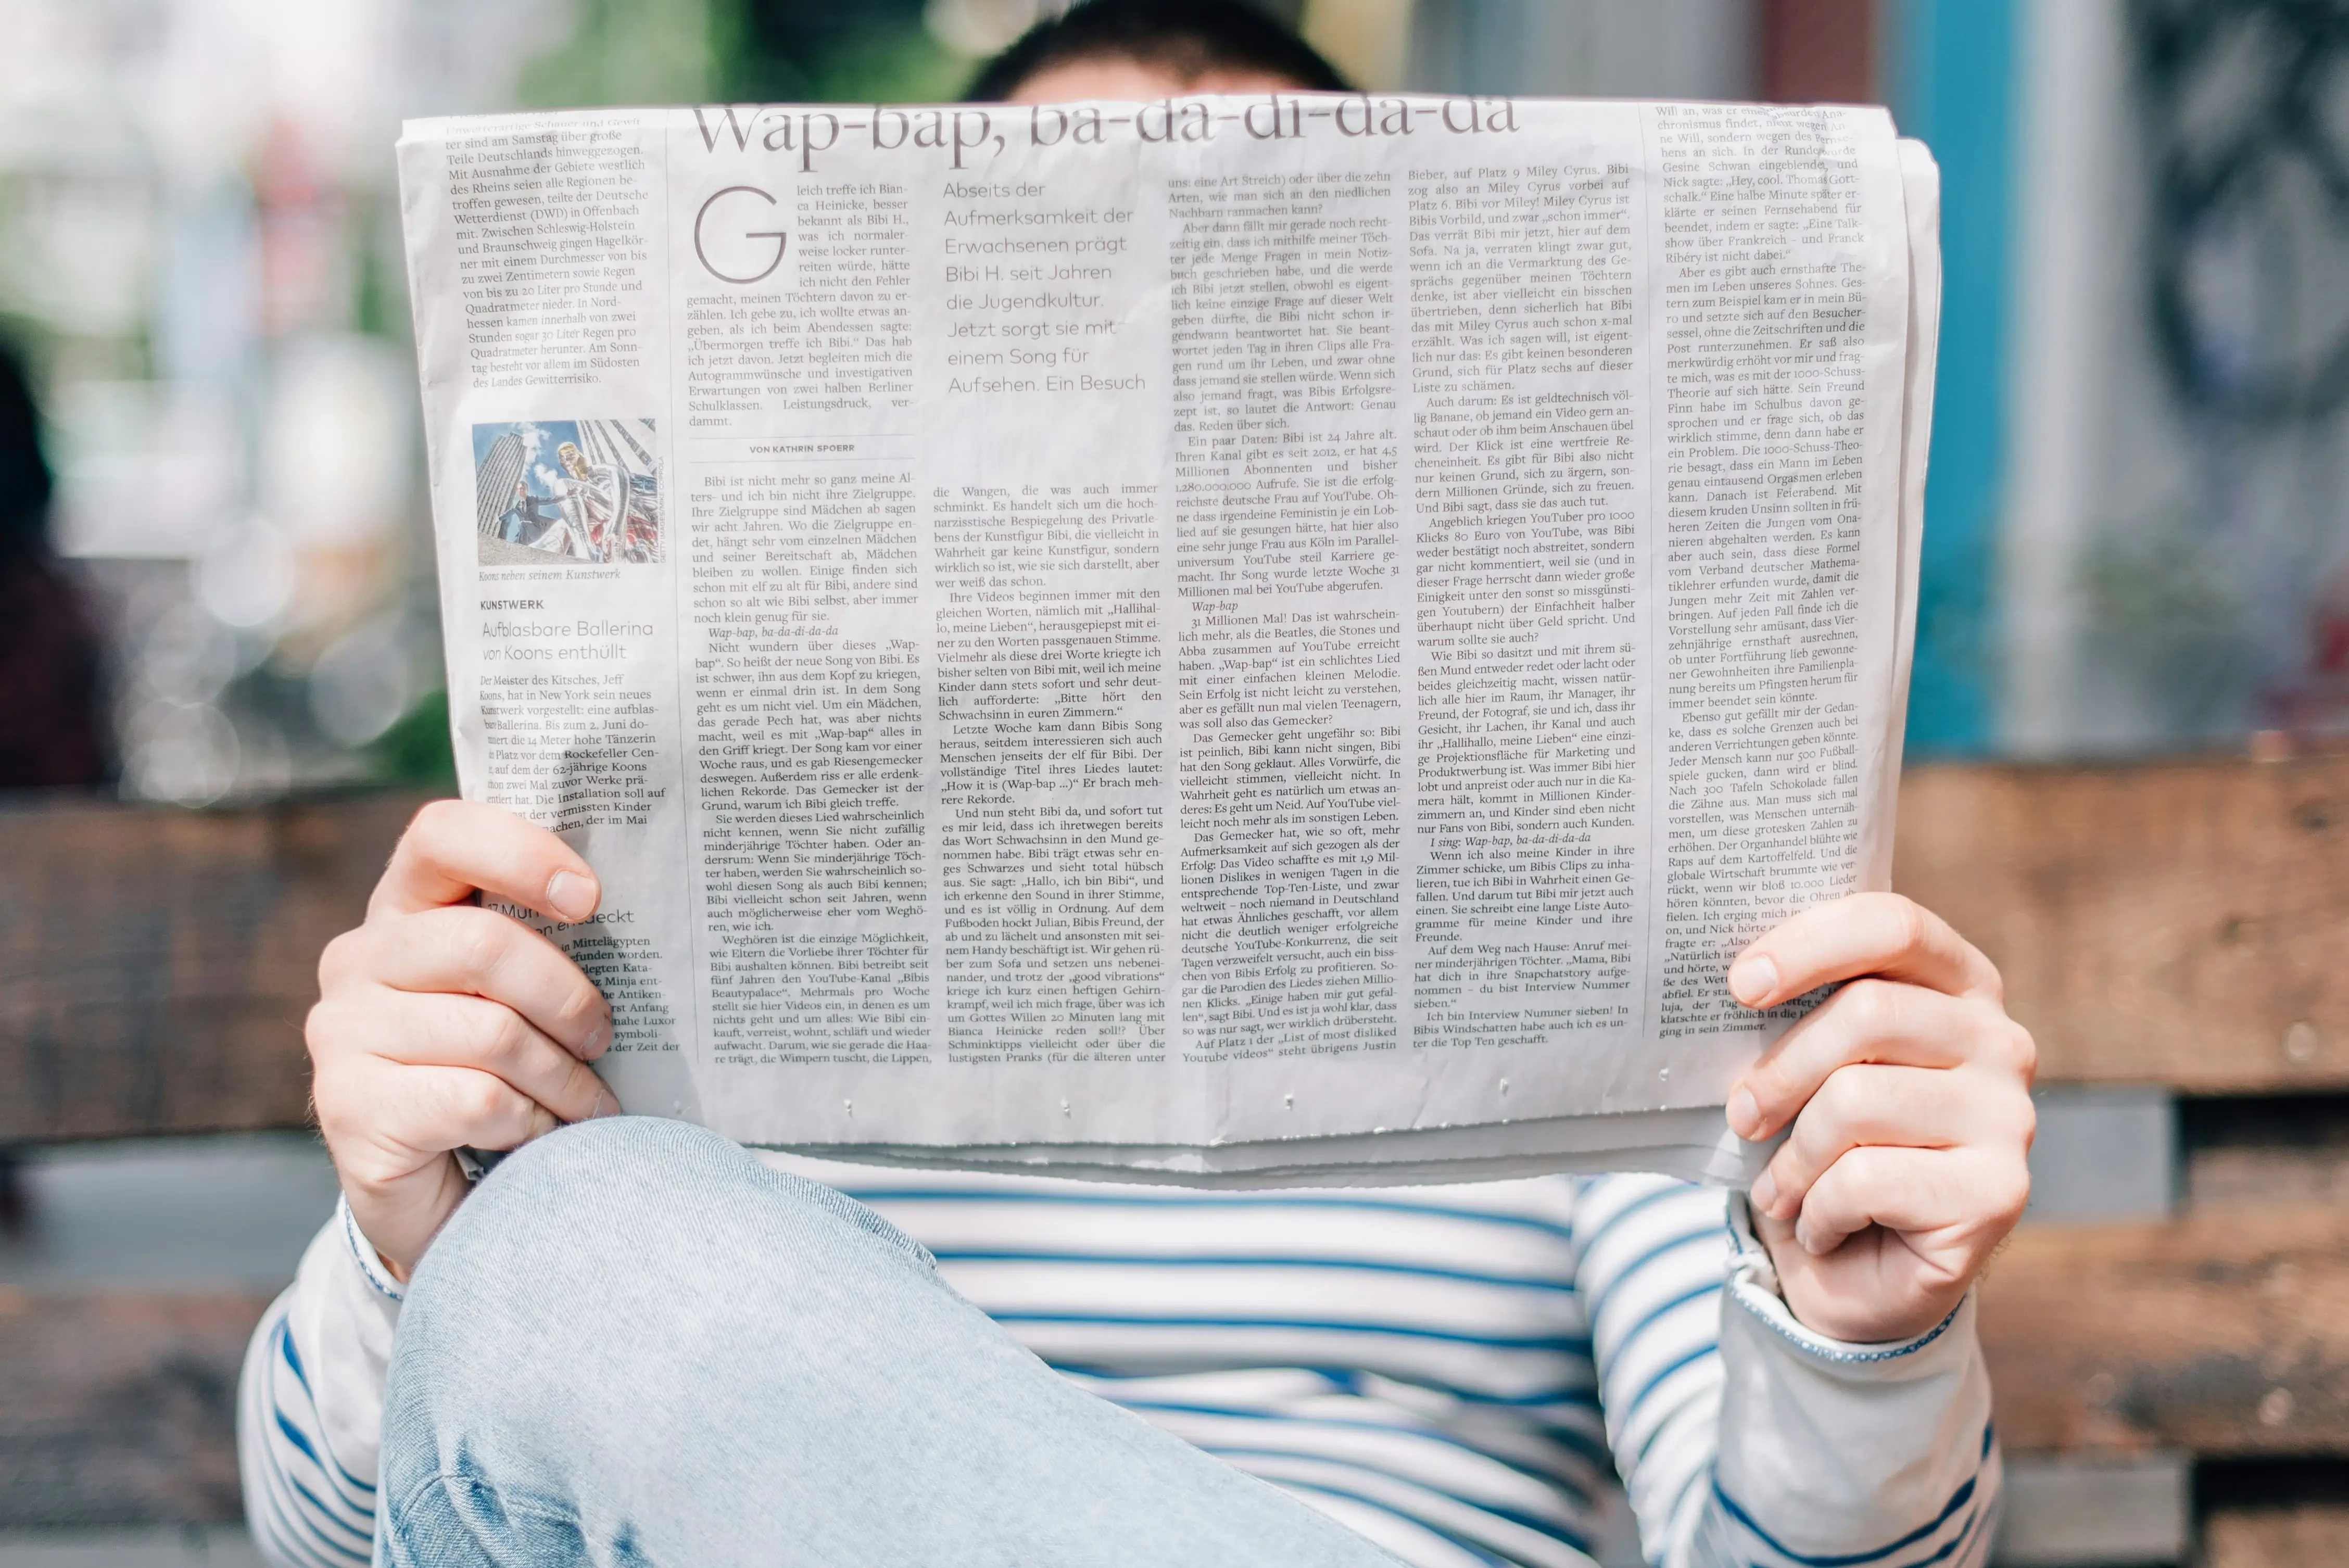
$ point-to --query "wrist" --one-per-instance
(396, 1221)
(1771, 1262)
(366, 1262)
(1825, 1348)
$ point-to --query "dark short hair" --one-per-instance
(1188, 37)
(23, 475)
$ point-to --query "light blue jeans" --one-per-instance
(635, 1344)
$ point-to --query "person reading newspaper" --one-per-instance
(633, 1342)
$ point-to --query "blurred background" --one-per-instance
(2137, 546)
(2137, 520)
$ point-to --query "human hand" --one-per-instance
(1910, 1092)
(441, 1023)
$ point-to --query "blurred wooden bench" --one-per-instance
(158, 962)
(155, 966)
(2182, 924)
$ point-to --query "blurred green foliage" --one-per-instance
(417, 748)
(633, 52)
(681, 51)
(849, 50)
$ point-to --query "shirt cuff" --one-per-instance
(363, 1253)
(1754, 1285)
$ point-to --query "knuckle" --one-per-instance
(1816, 1132)
(583, 1009)
(369, 1171)
(1866, 1168)
(340, 959)
(2022, 1050)
(581, 1003)
(1835, 1097)
(477, 940)
(2004, 1045)
(498, 1035)
(1874, 1007)
(473, 1100)
(361, 1162)
(342, 1137)
(433, 818)
(322, 1031)
(1910, 929)
(2019, 1118)
(582, 1085)
(332, 1106)
(350, 1118)
(1842, 1099)
(2006, 1192)
(1824, 1199)
(2017, 1194)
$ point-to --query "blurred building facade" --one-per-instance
(2138, 516)
(199, 254)
(2176, 513)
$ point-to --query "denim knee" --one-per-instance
(596, 1274)
(567, 1216)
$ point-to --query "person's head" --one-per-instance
(1152, 49)
(23, 474)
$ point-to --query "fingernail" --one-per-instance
(1752, 978)
(571, 895)
(599, 1041)
(1807, 1240)
(1744, 1113)
(604, 1105)
(1765, 1193)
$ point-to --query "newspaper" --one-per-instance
(1232, 639)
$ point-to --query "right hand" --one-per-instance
(441, 1025)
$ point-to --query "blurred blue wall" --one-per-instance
(1953, 69)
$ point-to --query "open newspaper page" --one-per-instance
(1264, 638)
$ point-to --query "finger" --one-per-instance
(1873, 1106)
(1875, 1021)
(385, 1119)
(472, 951)
(444, 1030)
(456, 848)
(491, 1113)
(1950, 1204)
(1867, 934)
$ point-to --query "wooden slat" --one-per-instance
(2311, 1535)
(120, 1409)
(2293, 1514)
(158, 962)
(2222, 1333)
(2183, 922)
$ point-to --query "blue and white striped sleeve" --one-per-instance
(1745, 1439)
(310, 1404)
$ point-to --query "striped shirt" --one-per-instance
(1458, 1373)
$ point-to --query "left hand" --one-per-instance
(1910, 1092)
